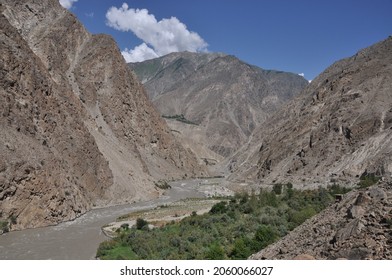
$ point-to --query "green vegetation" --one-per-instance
(368, 179)
(232, 229)
(141, 224)
(4, 226)
(180, 118)
(113, 251)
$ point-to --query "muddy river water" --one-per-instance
(79, 239)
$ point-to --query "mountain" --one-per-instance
(77, 130)
(214, 101)
(338, 129)
(357, 227)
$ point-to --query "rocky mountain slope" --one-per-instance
(219, 98)
(357, 227)
(339, 127)
(77, 129)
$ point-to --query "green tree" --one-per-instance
(264, 236)
(215, 252)
(141, 223)
(241, 249)
(219, 208)
(277, 189)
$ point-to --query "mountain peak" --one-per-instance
(226, 97)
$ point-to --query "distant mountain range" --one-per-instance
(223, 98)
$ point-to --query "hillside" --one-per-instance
(77, 129)
(337, 129)
(222, 99)
(357, 227)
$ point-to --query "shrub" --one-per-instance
(219, 208)
(241, 249)
(277, 189)
(13, 219)
(337, 189)
(215, 252)
(125, 226)
(141, 223)
(368, 179)
(301, 216)
(264, 236)
(289, 191)
(4, 226)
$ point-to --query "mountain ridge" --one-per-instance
(335, 130)
(224, 96)
(84, 133)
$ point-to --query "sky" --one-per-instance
(303, 36)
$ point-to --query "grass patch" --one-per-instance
(4, 226)
(368, 179)
(108, 250)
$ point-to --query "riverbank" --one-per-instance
(80, 238)
(161, 215)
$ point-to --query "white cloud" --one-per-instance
(67, 3)
(159, 37)
(139, 53)
(302, 74)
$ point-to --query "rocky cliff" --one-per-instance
(357, 227)
(337, 129)
(77, 129)
(222, 99)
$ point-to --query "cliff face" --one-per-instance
(77, 129)
(224, 96)
(339, 127)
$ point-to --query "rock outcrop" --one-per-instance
(221, 98)
(357, 227)
(77, 129)
(337, 129)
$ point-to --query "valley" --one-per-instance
(191, 155)
(80, 238)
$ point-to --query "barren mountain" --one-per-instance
(357, 227)
(77, 129)
(339, 127)
(214, 101)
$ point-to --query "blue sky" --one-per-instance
(303, 36)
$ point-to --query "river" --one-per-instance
(79, 239)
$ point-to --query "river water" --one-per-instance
(79, 239)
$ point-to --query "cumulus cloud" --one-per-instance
(159, 37)
(139, 53)
(67, 3)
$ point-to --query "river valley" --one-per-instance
(79, 239)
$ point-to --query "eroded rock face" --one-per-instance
(338, 233)
(339, 127)
(226, 97)
(76, 128)
(51, 168)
